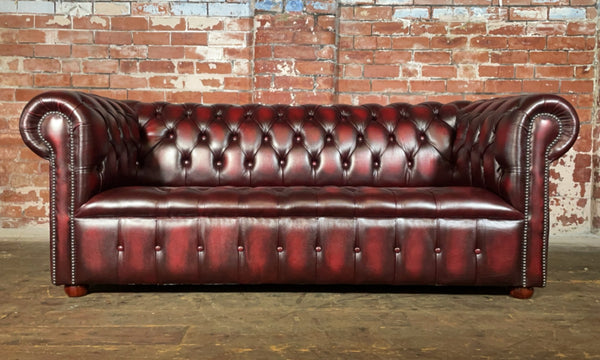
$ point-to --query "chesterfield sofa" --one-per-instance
(430, 194)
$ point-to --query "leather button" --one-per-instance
(157, 248)
(203, 137)
(345, 165)
(360, 138)
(249, 164)
(422, 137)
(318, 249)
(397, 250)
(171, 136)
(298, 138)
(392, 138)
(266, 138)
(328, 138)
(188, 113)
(219, 163)
(186, 162)
(137, 163)
(120, 248)
(279, 248)
(376, 164)
(357, 249)
(200, 248)
(314, 163)
(240, 248)
(477, 251)
(437, 250)
(234, 137)
(409, 164)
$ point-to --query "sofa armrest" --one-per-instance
(90, 140)
(507, 145)
(91, 143)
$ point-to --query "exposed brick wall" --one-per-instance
(301, 51)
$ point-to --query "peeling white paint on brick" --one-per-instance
(59, 20)
(203, 23)
(171, 22)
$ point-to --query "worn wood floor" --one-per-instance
(37, 321)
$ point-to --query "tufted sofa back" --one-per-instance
(261, 145)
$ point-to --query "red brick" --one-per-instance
(90, 81)
(527, 42)
(432, 57)
(509, 57)
(41, 65)
(567, 43)
(581, 28)
(410, 42)
(238, 83)
(349, 57)
(91, 22)
(129, 23)
(381, 71)
(524, 71)
(163, 82)
(55, 51)
(224, 97)
(147, 95)
(274, 37)
(548, 57)
(383, 85)
(185, 67)
(170, 23)
(584, 72)
(113, 37)
(345, 85)
(376, 13)
(439, 71)
(554, 72)
(314, 97)
(128, 52)
(52, 21)
(189, 38)
(433, 28)
(314, 38)
(157, 66)
(541, 86)
(273, 97)
(151, 38)
(503, 86)
(469, 28)
(16, 50)
(127, 82)
(52, 80)
(470, 57)
(581, 57)
(314, 67)
(390, 28)
(510, 29)
(165, 52)
(355, 28)
(371, 99)
(352, 71)
(365, 42)
(464, 86)
(213, 68)
(428, 85)
(529, 13)
(497, 71)
(90, 51)
(75, 36)
(31, 36)
(244, 53)
(448, 42)
(305, 52)
(100, 66)
(16, 21)
(294, 82)
(326, 83)
(489, 42)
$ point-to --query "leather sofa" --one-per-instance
(430, 194)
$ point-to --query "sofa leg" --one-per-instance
(521, 292)
(76, 290)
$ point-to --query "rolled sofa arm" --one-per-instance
(91, 140)
(91, 143)
(507, 145)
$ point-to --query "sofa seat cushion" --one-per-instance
(327, 201)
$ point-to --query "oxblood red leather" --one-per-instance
(437, 194)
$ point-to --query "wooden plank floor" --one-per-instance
(37, 321)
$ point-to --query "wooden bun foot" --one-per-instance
(76, 290)
(521, 292)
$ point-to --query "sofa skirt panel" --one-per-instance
(298, 250)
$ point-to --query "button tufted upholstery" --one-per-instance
(400, 194)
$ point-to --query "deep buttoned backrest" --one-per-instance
(261, 145)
